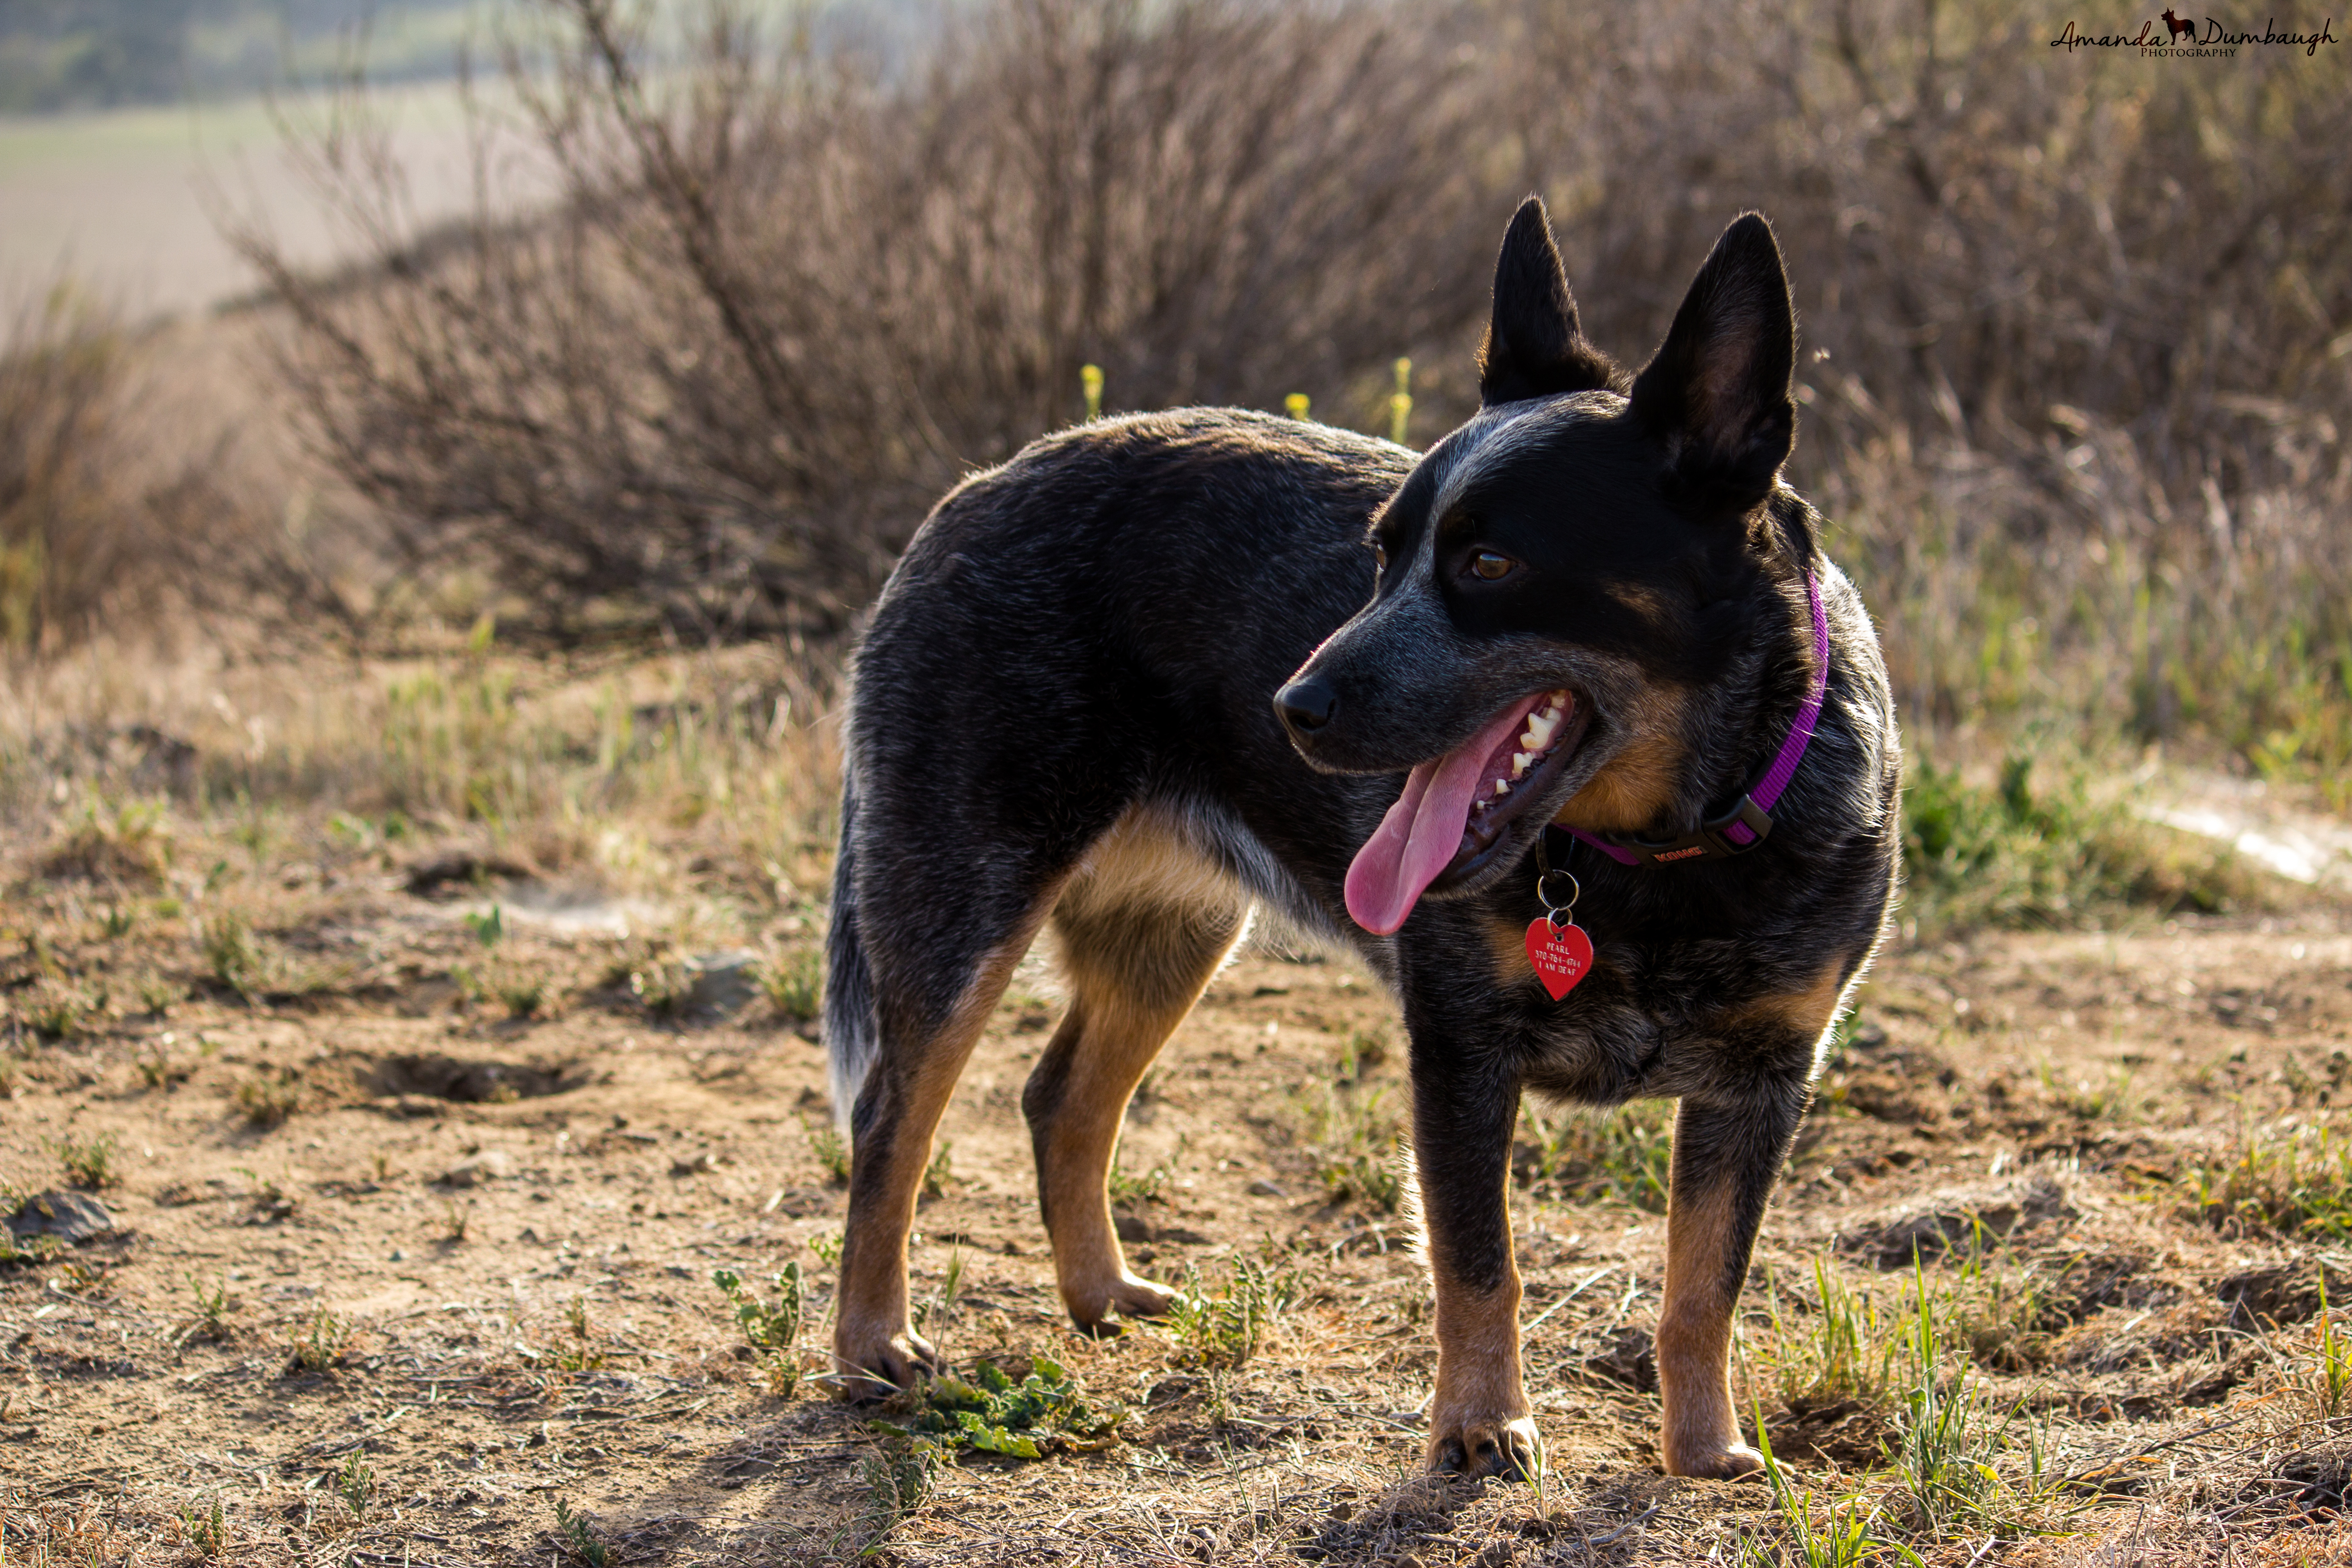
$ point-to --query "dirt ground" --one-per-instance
(396, 1275)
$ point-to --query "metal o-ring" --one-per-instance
(1576, 890)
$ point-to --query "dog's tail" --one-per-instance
(853, 1031)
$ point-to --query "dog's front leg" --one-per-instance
(1464, 1110)
(1725, 1159)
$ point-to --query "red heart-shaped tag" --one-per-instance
(1562, 955)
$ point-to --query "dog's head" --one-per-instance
(1554, 573)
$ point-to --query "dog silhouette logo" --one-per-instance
(2179, 27)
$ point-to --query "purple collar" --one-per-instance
(1748, 822)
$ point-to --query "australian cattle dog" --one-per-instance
(1566, 726)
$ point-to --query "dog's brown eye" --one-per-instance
(1491, 566)
(1379, 559)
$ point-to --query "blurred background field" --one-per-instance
(443, 462)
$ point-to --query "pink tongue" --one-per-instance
(1422, 831)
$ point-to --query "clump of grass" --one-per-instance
(1841, 1350)
(232, 954)
(2335, 1360)
(1354, 1136)
(795, 983)
(1045, 1412)
(320, 1346)
(582, 1353)
(88, 1162)
(1360, 1051)
(2277, 1180)
(897, 1477)
(1627, 1154)
(1949, 1440)
(771, 1328)
(2017, 857)
(119, 842)
(1846, 1539)
(269, 1099)
(521, 989)
(157, 994)
(57, 1012)
(1225, 1328)
(455, 1221)
(941, 1302)
(662, 985)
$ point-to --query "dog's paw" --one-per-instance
(874, 1364)
(1129, 1296)
(1721, 1462)
(1486, 1447)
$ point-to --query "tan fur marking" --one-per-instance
(1694, 1343)
(1123, 1009)
(1640, 783)
(1481, 1391)
(1806, 1012)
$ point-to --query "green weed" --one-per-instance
(1225, 1329)
(268, 1100)
(795, 983)
(1129, 1188)
(1846, 1538)
(832, 1150)
(897, 1477)
(939, 1172)
(88, 1162)
(212, 1306)
(771, 1328)
(206, 1532)
(581, 1538)
(355, 1484)
(2335, 1358)
(233, 955)
(1045, 1412)
(320, 1346)
(1355, 1139)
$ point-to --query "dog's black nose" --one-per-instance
(1305, 706)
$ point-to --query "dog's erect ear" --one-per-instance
(1534, 347)
(1717, 392)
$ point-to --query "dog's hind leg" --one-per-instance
(1142, 927)
(934, 984)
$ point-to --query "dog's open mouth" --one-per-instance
(1454, 807)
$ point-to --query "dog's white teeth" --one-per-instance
(1520, 762)
(1502, 786)
(1540, 730)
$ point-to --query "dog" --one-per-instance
(2175, 26)
(1540, 685)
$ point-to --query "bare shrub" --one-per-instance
(68, 543)
(790, 293)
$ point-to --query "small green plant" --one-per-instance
(1142, 1186)
(581, 1538)
(56, 1012)
(1355, 1137)
(119, 921)
(1225, 1329)
(320, 1346)
(355, 1483)
(795, 983)
(897, 1477)
(267, 1100)
(1359, 1053)
(663, 986)
(206, 1532)
(212, 1306)
(2334, 1358)
(771, 1328)
(1846, 1539)
(490, 929)
(939, 1172)
(941, 1302)
(1090, 382)
(582, 1353)
(232, 954)
(832, 1150)
(88, 1162)
(1046, 1411)
(826, 1245)
(454, 1221)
